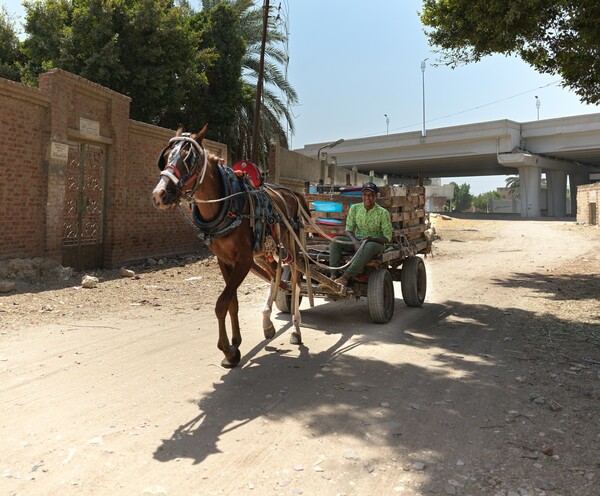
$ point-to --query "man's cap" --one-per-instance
(370, 187)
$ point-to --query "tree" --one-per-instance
(514, 186)
(141, 48)
(10, 48)
(480, 202)
(218, 31)
(462, 196)
(277, 92)
(558, 37)
(221, 35)
(177, 65)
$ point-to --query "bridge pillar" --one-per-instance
(574, 181)
(556, 184)
(530, 180)
(530, 183)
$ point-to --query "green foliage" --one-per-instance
(514, 186)
(10, 54)
(480, 202)
(218, 102)
(559, 37)
(140, 48)
(277, 93)
(462, 197)
(177, 65)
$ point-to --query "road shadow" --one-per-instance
(455, 409)
(563, 287)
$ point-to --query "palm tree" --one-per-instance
(277, 96)
(514, 186)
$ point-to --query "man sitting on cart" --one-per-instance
(368, 228)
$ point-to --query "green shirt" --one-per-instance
(374, 223)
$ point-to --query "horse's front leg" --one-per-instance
(296, 336)
(228, 302)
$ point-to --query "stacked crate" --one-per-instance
(406, 205)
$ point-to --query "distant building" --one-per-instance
(588, 199)
(437, 195)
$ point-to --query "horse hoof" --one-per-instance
(269, 332)
(295, 338)
(230, 364)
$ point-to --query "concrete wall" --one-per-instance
(499, 206)
(293, 169)
(588, 204)
(34, 124)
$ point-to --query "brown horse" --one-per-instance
(246, 228)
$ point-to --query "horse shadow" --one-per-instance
(264, 385)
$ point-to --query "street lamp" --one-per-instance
(423, 65)
(330, 145)
(538, 104)
(387, 124)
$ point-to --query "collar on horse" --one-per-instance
(231, 214)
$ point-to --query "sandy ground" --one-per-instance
(491, 388)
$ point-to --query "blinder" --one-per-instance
(161, 158)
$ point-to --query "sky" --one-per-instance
(352, 62)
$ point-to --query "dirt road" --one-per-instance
(491, 388)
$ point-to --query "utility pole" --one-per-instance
(259, 83)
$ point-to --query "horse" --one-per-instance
(246, 228)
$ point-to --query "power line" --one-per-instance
(471, 109)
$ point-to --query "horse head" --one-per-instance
(182, 165)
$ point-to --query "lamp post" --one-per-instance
(423, 65)
(387, 124)
(538, 104)
(330, 145)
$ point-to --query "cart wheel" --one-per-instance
(283, 300)
(413, 280)
(380, 296)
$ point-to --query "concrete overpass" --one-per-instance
(557, 147)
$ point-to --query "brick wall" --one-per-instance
(24, 126)
(33, 184)
(588, 200)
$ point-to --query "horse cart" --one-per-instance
(400, 261)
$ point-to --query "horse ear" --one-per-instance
(180, 129)
(200, 136)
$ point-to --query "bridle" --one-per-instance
(187, 182)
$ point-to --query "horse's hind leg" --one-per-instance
(268, 327)
(296, 336)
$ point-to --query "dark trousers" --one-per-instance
(366, 253)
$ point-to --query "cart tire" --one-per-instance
(380, 296)
(283, 300)
(413, 281)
